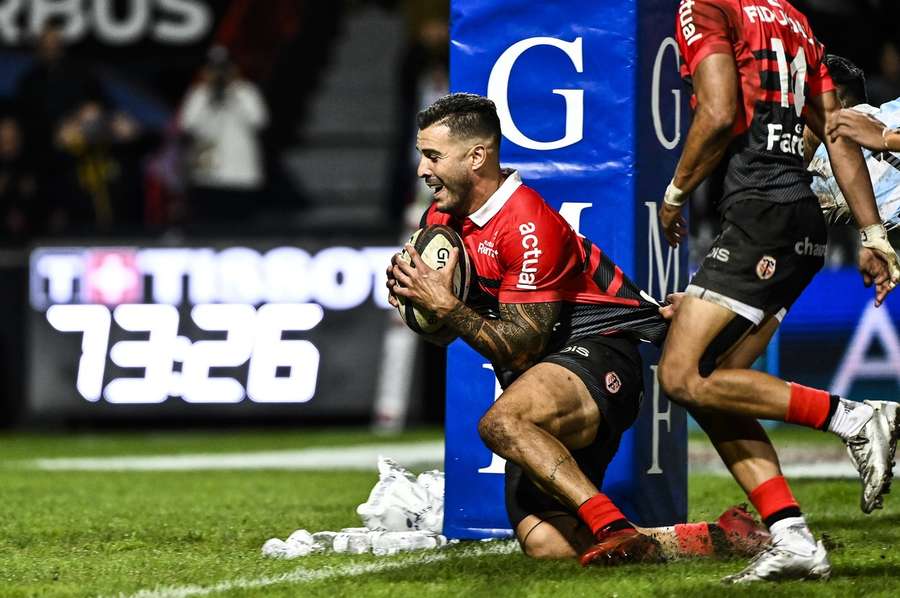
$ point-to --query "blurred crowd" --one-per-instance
(75, 160)
(78, 159)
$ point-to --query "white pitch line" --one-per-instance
(306, 575)
(363, 457)
(812, 470)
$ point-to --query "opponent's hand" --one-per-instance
(673, 223)
(391, 281)
(674, 300)
(874, 269)
(856, 126)
(874, 237)
(429, 289)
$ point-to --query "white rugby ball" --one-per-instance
(433, 243)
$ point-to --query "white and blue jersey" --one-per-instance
(884, 169)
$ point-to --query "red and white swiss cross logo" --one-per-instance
(112, 277)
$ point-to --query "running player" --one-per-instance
(556, 317)
(757, 76)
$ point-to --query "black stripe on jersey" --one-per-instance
(588, 252)
(490, 283)
(767, 54)
(585, 320)
(605, 272)
(889, 158)
(771, 81)
(423, 222)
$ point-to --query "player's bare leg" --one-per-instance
(537, 421)
(553, 535)
(746, 450)
(561, 535)
(741, 441)
(869, 429)
(731, 390)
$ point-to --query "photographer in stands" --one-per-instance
(223, 116)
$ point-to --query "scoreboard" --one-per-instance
(248, 330)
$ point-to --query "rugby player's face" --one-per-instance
(444, 165)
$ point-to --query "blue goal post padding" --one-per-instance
(593, 115)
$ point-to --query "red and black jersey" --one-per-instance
(523, 251)
(779, 64)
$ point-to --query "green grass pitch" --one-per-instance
(198, 533)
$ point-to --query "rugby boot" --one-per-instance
(872, 453)
(739, 533)
(793, 554)
(622, 546)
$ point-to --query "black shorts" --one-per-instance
(766, 254)
(612, 370)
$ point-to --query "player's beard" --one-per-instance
(453, 198)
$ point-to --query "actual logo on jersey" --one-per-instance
(686, 20)
(527, 276)
(765, 268)
(613, 384)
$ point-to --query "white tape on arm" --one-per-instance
(874, 237)
(870, 235)
(674, 196)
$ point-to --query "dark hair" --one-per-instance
(465, 114)
(849, 76)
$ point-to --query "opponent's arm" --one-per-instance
(716, 88)
(846, 160)
(865, 130)
(852, 177)
(514, 341)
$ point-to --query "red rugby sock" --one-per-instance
(772, 496)
(694, 539)
(598, 512)
(808, 406)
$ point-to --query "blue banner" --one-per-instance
(591, 109)
(840, 341)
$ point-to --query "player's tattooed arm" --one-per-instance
(514, 341)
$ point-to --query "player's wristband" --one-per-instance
(674, 196)
(872, 235)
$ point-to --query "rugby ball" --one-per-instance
(433, 243)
